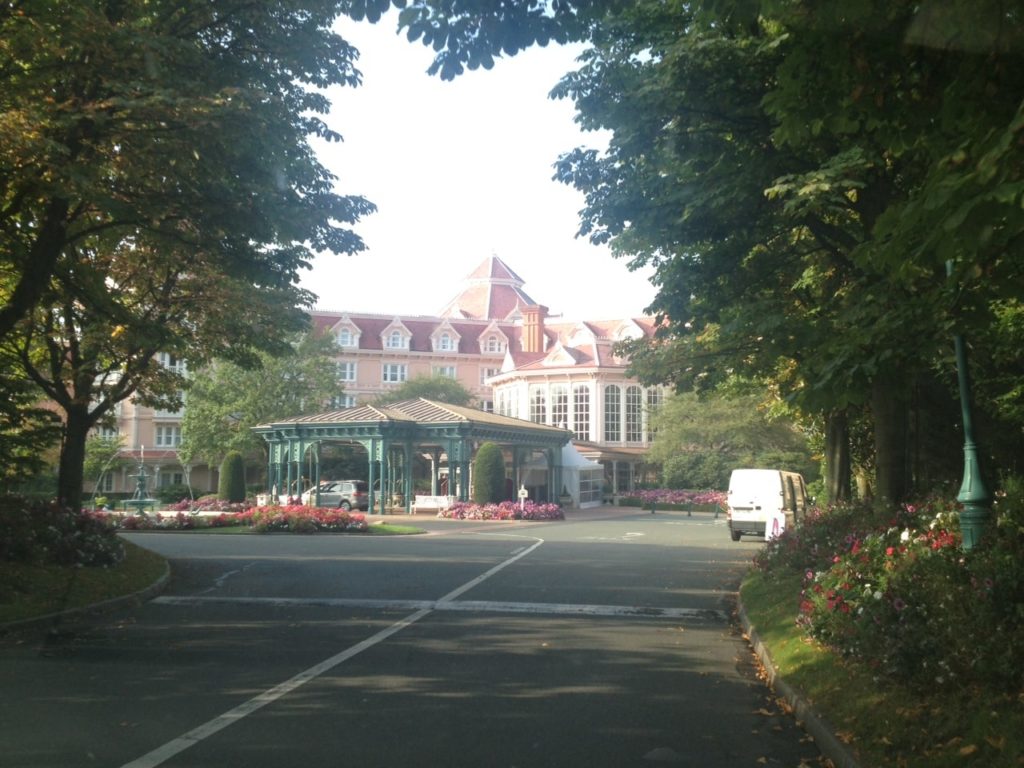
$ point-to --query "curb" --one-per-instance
(823, 734)
(51, 620)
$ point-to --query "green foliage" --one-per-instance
(901, 596)
(159, 192)
(798, 208)
(231, 485)
(171, 494)
(225, 401)
(489, 475)
(46, 533)
(440, 388)
(700, 440)
(101, 457)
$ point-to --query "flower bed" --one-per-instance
(294, 519)
(668, 498)
(900, 594)
(506, 510)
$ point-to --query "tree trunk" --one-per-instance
(838, 473)
(888, 407)
(71, 473)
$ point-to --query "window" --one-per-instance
(634, 414)
(345, 338)
(168, 436)
(486, 373)
(106, 482)
(346, 371)
(170, 478)
(172, 362)
(655, 397)
(108, 433)
(581, 412)
(396, 340)
(487, 406)
(560, 405)
(343, 401)
(538, 405)
(504, 407)
(445, 343)
(493, 344)
(447, 371)
(394, 373)
(612, 413)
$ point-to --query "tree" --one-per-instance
(799, 208)
(231, 486)
(225, 401)
(700, 440)
(489, 474)
(101, 457)
(440, 388)
(158, 192)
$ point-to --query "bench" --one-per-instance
(431, 503)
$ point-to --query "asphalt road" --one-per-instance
(606, 641)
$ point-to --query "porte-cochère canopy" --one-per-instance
(392, 433)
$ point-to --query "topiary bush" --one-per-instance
(489, 475)
(231, 486)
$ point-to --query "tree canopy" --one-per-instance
(158, 191)
(225, 401)
(799, 175)
(444, 389)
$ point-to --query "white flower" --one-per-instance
(878, 594)
(905, 536)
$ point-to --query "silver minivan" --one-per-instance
(345, 494)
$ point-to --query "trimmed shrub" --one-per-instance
(489, 475)
(231, 486)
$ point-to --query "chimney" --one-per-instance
(533, 327)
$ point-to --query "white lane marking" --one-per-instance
(164, 753)
(481, 606)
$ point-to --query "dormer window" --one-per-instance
(345, 337)
(396, 340)
(444, 342)
(493, 344)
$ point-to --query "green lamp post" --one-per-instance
(974, 496)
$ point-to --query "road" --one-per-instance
(605, 640)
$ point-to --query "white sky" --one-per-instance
(460, 171)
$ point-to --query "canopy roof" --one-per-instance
(420, 421)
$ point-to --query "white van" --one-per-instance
(763, 502)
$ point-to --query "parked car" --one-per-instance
(764, 502)
(345, 494)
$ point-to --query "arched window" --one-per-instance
(345, 337)
(581, 412)
(396, 340)
(492, 344)
(612, 414)
(444, 342)
(634, 414)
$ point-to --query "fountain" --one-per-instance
(140, 500)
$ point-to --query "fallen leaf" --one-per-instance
(970, 749)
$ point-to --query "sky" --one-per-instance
(459, 171)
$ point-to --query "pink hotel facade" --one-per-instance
(493, 338)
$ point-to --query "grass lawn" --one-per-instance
(883, 725)
(28, 591)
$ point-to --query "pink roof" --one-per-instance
(492, 291)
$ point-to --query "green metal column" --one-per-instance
(407, 477)
(974, 495)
